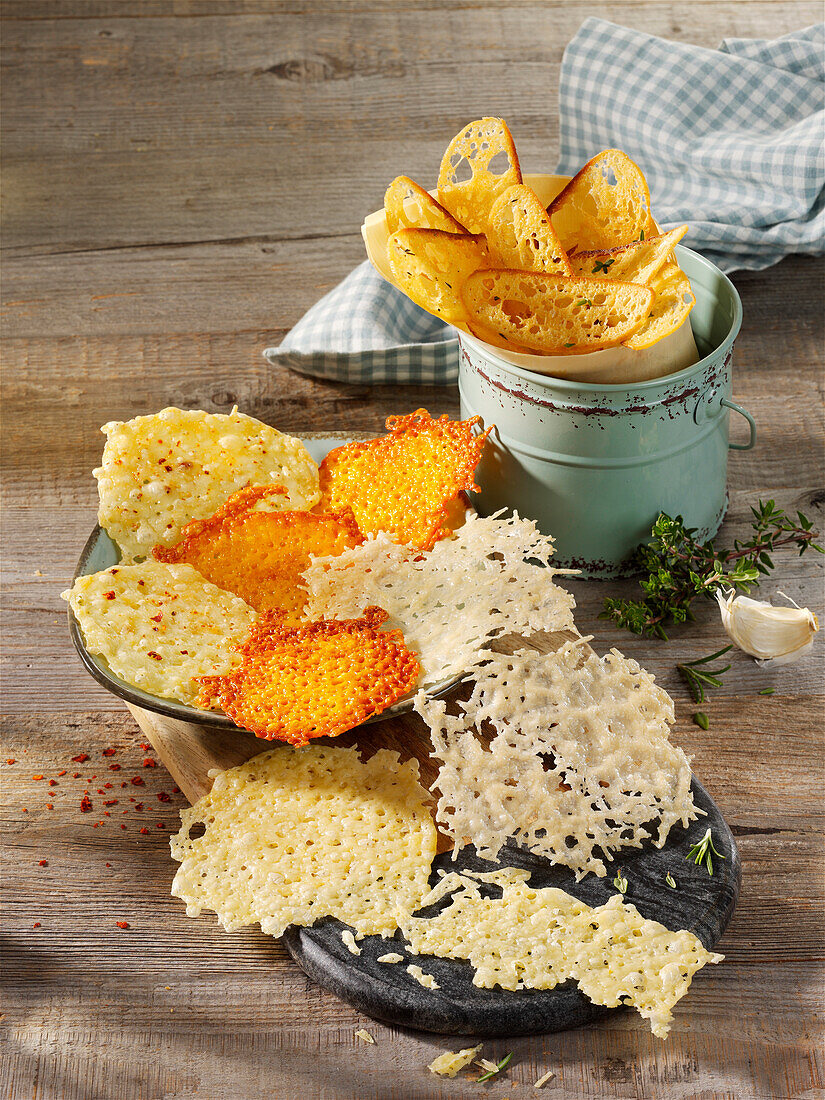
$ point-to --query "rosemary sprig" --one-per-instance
(620, 882)
(698, 678)
(700, 853)
(670, 880)
(494, 1072)
(677, 568)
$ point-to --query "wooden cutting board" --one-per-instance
(701, 903)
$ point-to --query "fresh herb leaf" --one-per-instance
(767, 691)
(701, 719)
(493, 1072)
(670, 880)
(569, 345)
(701, 853)
(620, 882)
(583, 302)
(642, 235)
(602, 265)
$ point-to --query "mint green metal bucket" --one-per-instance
(595, 464)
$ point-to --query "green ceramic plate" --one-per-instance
(101, 553)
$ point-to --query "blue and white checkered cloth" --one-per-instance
(731, 141)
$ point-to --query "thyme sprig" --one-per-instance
(698, 678)
(678, 568)
(700, 853)
(505, 1061)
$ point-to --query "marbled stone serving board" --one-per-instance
(701, 903)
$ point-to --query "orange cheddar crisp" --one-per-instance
(260, 556)
(403, 483)
(316, 680)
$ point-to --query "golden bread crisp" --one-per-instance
(294, 835)
(159, 627)
(636, 262)
(484, 149)
(409, 206)
(316, 680)
(607, 203)
(260, 556)
(159, 472)
(673, 301)
(520, 234)
(430, 266)
(403, 482)
(496, 339)
(554, 314)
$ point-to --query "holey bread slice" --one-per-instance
(478, 165)
(520, 234)
(532, 938)
(159, 472)
(555, 314)
(408, 206)
(673, 302)
(430, 266)
(159, 627)
(579, 765)
(637, 262)
(492, 577)
(294, 835)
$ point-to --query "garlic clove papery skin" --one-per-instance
(777, 635)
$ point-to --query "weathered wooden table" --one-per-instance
(183, 178)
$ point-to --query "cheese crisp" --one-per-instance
(295, 835)
(537, 938)
(159, 472)
(492, 577)
(316, 680)
(158, 627)
(260, 555)
(579, 766)
(402, 483)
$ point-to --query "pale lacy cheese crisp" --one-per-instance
(159, 472)
(538, 938)
(158, 626)
(451, 1061)
(492, 577)
(294, 835)
(579, 766)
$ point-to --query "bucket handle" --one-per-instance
(742, 412)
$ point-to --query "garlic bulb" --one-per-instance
(775, 634)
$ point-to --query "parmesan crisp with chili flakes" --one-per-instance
(316, 680)
(403, 483)
(159, 472)
(159, 626)
(260, 556)
(294, 835)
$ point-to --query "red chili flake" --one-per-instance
(109, 595)
(85, 804)
(146, 746)
(43, 863)
(109, 752)
(75, 775)
(123, 924)
(124, 784)
(108, 865)
(96, 824)
(49, 805)
(155, 656)
(80, 759)
(108, 786)
(100, 790)
(159, 825)
(25, 811)
(36, 924)
(62, 773)
(122, 827)
(150, 763)
(176, 790)
(136, 781)
(144, 830)
(37, 778)
(106, 813)
(139, 806)
(93, 777)
(164, 797)
(52, 782)
(156, 618)
(111, 802)
(114, 767)
(11, 760)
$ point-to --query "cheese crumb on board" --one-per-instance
(427, 980)
(542, 1081)
(159, 627)
(580, 763)
(450, 1062)
(492, 577)
(348, 940)
(542, 937)
(390, 957)
(159, 472)
(294, 835)
(365, 1036)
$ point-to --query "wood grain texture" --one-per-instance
(183, 178)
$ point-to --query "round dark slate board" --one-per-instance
(701, 903)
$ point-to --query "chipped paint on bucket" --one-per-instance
(595, 464)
